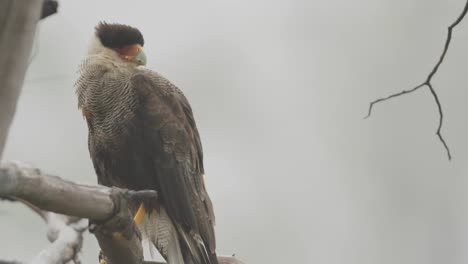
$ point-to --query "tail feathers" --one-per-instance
(175, 244)
(195, 249)
(157, 227)
(174, 252)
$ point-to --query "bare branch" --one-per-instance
(51, 193)
(18, 21)
(116, 233)
(427, 83)
(371, 105)
(441, 119)
(42, 214)
(17, 26)
(113, 223)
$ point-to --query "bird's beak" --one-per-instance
(140, 58)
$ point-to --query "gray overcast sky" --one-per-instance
(279, 90)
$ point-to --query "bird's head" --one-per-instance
(126, 41)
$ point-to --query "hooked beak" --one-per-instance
(140, 58)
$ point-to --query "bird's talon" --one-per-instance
(101, 257)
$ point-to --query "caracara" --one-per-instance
(142, 135)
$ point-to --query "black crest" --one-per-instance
(116, 36)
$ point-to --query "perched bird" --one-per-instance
(142, 135)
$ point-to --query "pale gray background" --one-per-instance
(279, 89)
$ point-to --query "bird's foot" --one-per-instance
(102, 259)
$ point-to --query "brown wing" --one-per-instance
(173, 143)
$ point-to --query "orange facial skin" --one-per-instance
(129, 52)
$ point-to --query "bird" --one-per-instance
(142, 135)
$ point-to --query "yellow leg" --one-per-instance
(138, 218)
(101, 258)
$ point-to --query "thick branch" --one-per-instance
(18, 21)
(112, 225)
(17, 26)
(427, 83)
(54, 194)
(117, 234)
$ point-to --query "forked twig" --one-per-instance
(427, 83)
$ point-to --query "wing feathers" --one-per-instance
(173, 141)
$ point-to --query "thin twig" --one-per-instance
(38, 211)
(427, 83)
(371, 105)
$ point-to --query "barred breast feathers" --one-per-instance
(104, 92)
(90, 76)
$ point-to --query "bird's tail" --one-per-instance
(158, 228)
(175, 244)
(194, 249)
